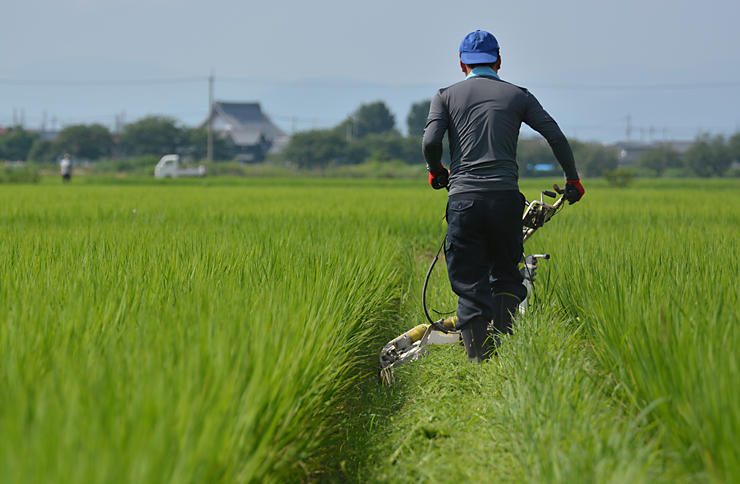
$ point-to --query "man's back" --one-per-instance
(483, 115)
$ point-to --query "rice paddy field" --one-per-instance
(228, 332)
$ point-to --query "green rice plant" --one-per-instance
(19, 174)
(224, 331)
(654, 278)
(187, 333)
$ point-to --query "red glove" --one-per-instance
(440, 179)
(573, 190)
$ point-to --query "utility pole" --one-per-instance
(210, 117)
(629, 126)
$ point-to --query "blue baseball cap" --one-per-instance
(479, 47)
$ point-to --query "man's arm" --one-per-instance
(434, 132)
(538, 119)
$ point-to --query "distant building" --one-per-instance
(630, 151)
(48, 135)
(253, 134)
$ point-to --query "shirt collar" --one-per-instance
(482, 71)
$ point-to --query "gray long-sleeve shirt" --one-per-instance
(483, 116)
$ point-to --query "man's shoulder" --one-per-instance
(484, 82)
(511, 86)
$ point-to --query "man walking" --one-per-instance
(482, 116)
(66, 168)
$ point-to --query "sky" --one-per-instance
(641, 70)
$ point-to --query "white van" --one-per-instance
(168, 167)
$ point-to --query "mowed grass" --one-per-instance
(626, 369)
(191, 333)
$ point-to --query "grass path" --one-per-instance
(626, 371)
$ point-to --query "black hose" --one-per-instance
(424, 291)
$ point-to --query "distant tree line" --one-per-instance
(367, 134)
(707, 156)
(152, 135)
(535, 158)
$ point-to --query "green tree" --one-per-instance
(43, 151)
(197, 144)
(153, 135)
(371, 118)
(386, 147)
(15, 144)
(316, 148)
(416, 120)
(82, 141)
(619, 178)
(708, 156)
(592, 159)
(534, 156)
(659, 158)
(733, 145)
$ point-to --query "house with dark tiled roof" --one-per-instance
(251, 131)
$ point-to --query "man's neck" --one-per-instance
(482, 71)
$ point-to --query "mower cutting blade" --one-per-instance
(412, 345)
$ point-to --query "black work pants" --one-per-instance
(484, 247)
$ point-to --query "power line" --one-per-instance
(637, 87)
(230, 80)
(340, 84)
(371, 85)
(354, 85)
(129, 82)
(84, 117)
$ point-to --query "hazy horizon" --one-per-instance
(664, 69)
